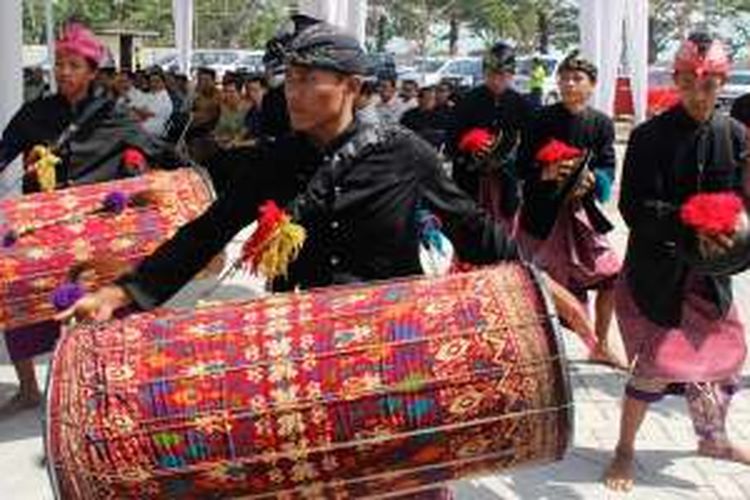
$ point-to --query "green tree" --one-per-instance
(219, 23)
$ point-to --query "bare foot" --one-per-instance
(20, 401)
(602, 354)
(621, 472)
(724, 451)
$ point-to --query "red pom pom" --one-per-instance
(270, 216)
(661, 99)
(475, 140)
(133, 158)
(714, 213)
(556, 151)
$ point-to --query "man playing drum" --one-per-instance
(89, 135)
(355, 189)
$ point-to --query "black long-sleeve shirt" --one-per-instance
(358, 210)
(670, 158)
(94, 152)
(510, 113)
(590, 130)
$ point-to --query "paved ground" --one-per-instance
(667, 467)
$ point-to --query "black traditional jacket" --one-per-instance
(510, 113)
(94, 150)
(357, 200)
(670, 158)
(590, 130)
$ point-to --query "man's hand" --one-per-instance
(712, 244)
(97, 306)
(485, 150)
(585, 186)
(566, 168)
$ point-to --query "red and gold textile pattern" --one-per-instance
(39, 261)
(342, 392)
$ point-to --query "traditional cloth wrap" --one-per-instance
(324, 46)
(48, 234)
(702, 56)
(342, 392)
(705, 347)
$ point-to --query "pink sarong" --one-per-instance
(491, 200)
(704, 348)
(574, 254)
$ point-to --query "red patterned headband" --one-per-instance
(714, 61)
(80, 41)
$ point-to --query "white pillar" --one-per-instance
(349, 15)
(602, 23)
(49, 27)
(636, 20)
(11, 84)
(183, 16)
(358, 19)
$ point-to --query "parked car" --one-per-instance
(251, 62)
(466, 71)
(384, 65)
(167, 62)
(737, 85)
(220, 60)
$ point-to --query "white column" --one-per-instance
(11, 84)
(601, 23)
(325, 10)
(636, 20)
(183, 15)
(49, 30)
(358, 19)
(589, 22)
(349, 15)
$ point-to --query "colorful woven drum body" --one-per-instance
(344, 392)
(58, 231)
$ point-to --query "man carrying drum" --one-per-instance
(355, 189)
(90, 140)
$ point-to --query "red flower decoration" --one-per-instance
(661, 99)
(275, 244)
(713, 213)
(134, 159)
(270, 217)
(556, 151)
(475, 140)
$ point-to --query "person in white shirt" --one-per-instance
(155, 106)
(410, 94)
(391, 106)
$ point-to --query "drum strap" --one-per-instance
(75, 127)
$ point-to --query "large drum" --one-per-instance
(352, 391)
(46, 236)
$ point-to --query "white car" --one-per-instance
(219, 60)
(251, 62)
(737, 85)
(465, 71)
